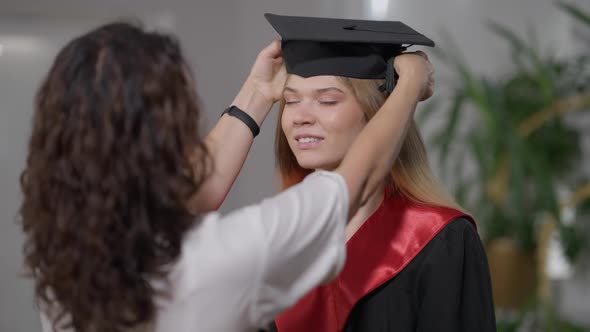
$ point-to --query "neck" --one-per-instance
(365, 211)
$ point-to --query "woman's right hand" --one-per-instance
(417, 69)
(268, 74)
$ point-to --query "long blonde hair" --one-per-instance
(411, 174)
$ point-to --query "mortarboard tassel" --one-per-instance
(391, 77)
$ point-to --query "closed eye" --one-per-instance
(328, 102)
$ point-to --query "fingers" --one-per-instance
(411, 61)
(429, 89)
(273, 50)
(419, 53)
(418, 69)
(424, 55)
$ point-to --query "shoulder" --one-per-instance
(457, 243)
(217, 238)
(219, 251)
(457, 237)
(461, 226)
(218, 268)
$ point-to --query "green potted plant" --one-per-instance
(524, 152)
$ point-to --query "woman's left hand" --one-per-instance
(268, 74)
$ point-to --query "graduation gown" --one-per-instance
(410, 267)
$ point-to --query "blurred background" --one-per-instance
(508, 130)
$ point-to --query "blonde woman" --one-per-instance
(415, 261)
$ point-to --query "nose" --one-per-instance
(303, 117)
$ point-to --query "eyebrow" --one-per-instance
(316, 91)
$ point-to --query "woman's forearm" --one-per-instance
(373, 153)
(229, 143)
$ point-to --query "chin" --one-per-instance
(309, 163)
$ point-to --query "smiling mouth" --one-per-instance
(309, 140)
(306, 143)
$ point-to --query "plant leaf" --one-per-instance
(574, 12)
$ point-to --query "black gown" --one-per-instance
(445, 287)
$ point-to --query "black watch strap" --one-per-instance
(244, 117)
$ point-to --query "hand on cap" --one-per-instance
(415, 67)
(268, 74)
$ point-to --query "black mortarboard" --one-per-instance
(364, 49)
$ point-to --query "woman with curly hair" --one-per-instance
(119, 187)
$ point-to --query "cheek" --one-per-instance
(346, 137)
(356, 128)
(286, 128)
(347, 125)
(285, 122)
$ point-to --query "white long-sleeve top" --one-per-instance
(238, 271)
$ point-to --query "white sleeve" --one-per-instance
(250, 265)
(305, 242)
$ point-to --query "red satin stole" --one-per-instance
(377, 252)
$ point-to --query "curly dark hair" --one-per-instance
(108, 176)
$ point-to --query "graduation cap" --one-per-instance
(363, 49)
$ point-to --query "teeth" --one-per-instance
(308, 140)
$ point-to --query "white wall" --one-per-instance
(221, 38)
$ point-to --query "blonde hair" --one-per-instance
(411, 174)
